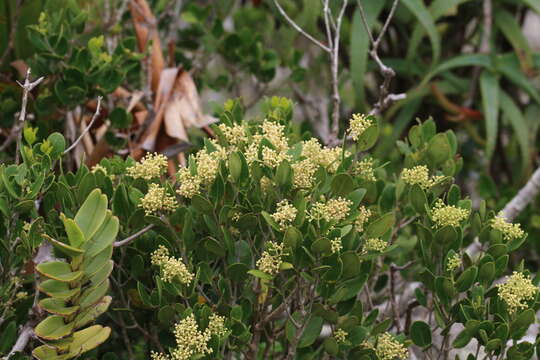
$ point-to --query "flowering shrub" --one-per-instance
(268, 244)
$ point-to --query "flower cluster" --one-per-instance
(151, 166)
(303, 172)
(332, 210)
(335, 245)
(453, 263)
(157, 200)
(516, 291)
(189, 184)
(444, 215)
(364, 170)
(271, 157)
(190, 341)
(270, 260)
(362, 218)
(285, 214)
(390, 349)
(328, 158)
(340, 335)
(235, 134)
(374, 245)
(171, 267)
(207, 166)
(359, 123)
(419, 175)
(509, 231)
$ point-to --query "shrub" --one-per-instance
(268, 244)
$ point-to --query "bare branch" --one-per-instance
(27, 333)
(334, 69)
(130, 238)
(27, 87)
(385, 98)
(523, 197)
(94, 117)
(299, 29)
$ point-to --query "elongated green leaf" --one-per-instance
(53, 328)
(92, 213)
(360, 44)
(311, 331)
(459, 61)
(74, 232)
(104, 237)
(45, 352)
(512, 31)
(58, 270)
(103, 273)
(508, 65)
(437, 9)
(92, 265)
(94, 294)
(57, 307)
(65, 248)
(489, 87)
(420, 11)
(514, 116)
(88, 339)
(58, 289)
(91, 313)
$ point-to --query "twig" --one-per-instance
(299, 29)
(94, 117)
(523, 197)
(27, 87)
(133, 237)
(334, 55)
(27, 332)
(385, 98)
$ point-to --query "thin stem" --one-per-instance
(94, 117)
(130, 238)
(299, 29)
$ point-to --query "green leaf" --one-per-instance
(9, 335)
(513, 114)
(489, 87)
(73, 231)
(342, 185)
(439, 149)
(58, 289)
(487, 273)
(380, 226)
(92, 265)
(368, 138)
(202, 204)
(331, 346)
(88, 339)
(46, 352)
(418, 199)
(57, 307)
(104, 237)
(284, 175)
(92, 312)
(235, 166)
(53, 328)
(420, 334)
(65, 248)
(311, 331)
(58, 144)
(533, 4)
(260, 274)
(360, 44)
(513, 33)
(94, 294)
(92, 213)
(462, 339)
(58, 270)
(521, 323)
(420, 11)
(466, 279)
(481, 60)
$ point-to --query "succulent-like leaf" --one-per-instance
(92, 213)
(58, 289)
(92, 295)
(57, 307)
(91, 313)
(102, 273)
(104, 237)
(75, 235)
(46, 352)
(65, 248)
(58, 270)
(88, 339)
(53, 328)
(93, 265)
